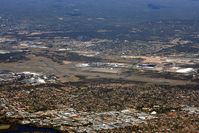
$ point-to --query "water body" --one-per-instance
(28, 129)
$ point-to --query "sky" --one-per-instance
(114, 9)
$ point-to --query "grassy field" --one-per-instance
(68, 72)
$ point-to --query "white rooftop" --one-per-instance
(185, 70)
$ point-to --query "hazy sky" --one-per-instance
(140, 9)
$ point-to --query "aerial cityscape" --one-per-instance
(108, 66)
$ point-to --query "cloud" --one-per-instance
(155, 6)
